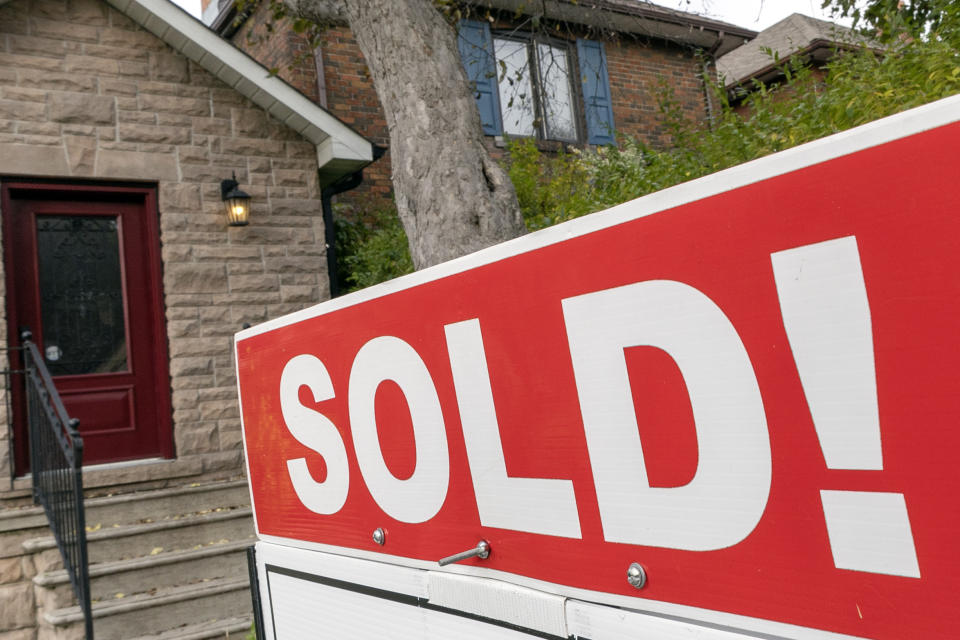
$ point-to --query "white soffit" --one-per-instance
(340, 149)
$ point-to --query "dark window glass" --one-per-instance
(81, 299)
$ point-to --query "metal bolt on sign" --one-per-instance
(482, 551)
(637, 575)
(379, 536)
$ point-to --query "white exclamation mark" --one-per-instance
(823, 301)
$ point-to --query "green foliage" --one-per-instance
(899, 20)
(371, 250)
(857, 87)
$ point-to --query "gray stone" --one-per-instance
(33, 46)
(133, 69)
(299, 293)
(214, 314)
(228, 252)
(251, 147)
(196, 278)
(219, 409)
(86, 64)
(64, 31)
(249, 122)
(193, 347)
(81, 154)
(17, 110)
(190, 366)
(16, 606)
(169, 67)
(60, 82)
(305, 264)
(184, 328)
(83, 108)
(25, 159)
(109, 86)
(193, 155)
(135, 164)
(175, 104)
(197, 438)
(154, 134)
(25, 62)
(179, 197)
(10, 570)
(211, 126)
(19, 634)
(260, 282)
(83, 12)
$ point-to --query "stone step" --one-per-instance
(235, 628)
(134, 540)
(165, 610)
(129, 508)
(147, 573)
(20, 525)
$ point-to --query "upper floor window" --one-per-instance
(534, 87)
(531, 86)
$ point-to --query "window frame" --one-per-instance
(531, 41)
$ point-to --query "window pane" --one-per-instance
(513, 80)
(81, 299)
(555, 93)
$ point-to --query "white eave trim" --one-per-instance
(337, 144)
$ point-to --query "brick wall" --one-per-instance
(637, 69)
(86, 94)
(352, 97)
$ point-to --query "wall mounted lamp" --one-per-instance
(236, 202)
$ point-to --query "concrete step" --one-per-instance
(163, 611)
(130, 508)
(121, 542)
(146, 574)
(236, 628)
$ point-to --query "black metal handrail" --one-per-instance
(56, 460)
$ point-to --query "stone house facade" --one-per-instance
(118, 123)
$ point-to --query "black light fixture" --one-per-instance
(236, 202)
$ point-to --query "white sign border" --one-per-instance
(902, 125)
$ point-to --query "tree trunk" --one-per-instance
(452, 197)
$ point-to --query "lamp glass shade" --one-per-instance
(237, 204)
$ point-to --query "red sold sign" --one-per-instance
(752, 393)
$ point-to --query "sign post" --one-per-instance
(726, 408)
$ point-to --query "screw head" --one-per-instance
(637, 575)
(379, 536)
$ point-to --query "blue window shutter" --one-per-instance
(598, 107)
(476, 54)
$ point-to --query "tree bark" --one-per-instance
(452, 197)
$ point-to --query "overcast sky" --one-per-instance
(752, 14)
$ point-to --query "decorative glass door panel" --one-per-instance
(83, 268)
(81, 294)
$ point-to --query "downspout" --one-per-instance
(710, 56)
(346, 183)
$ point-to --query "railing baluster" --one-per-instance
(56, 459)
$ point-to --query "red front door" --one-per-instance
(83, 274)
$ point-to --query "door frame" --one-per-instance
(144, 194)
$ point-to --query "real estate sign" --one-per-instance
(744, 387)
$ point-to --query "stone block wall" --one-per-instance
(85, 94)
